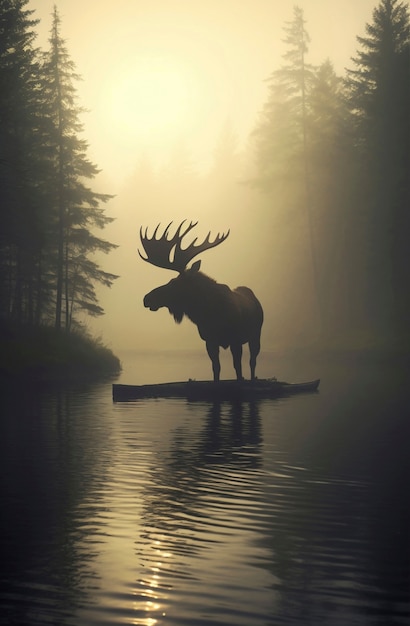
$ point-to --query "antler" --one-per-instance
(159, 250)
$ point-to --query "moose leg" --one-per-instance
(254, 349)
(213, 352)
(236, 350)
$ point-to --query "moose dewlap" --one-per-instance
(224, 317)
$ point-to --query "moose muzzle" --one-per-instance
(152, 300)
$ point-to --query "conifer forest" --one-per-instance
(329, 151)
(49, 214)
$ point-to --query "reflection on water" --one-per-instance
(198, 488)
(293, 511)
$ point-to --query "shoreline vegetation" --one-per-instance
(42, 354)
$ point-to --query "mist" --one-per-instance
(225, 55)
(197, 159)
(254, 255)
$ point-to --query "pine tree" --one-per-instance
(281, 134)
(20, 202)
(380, 102)
(76, 209)
(330, 173)
(282, 138)
(327, 122)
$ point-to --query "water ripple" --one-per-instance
(164, 512)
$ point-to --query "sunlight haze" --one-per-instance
(155, 72)
(204, 312)
(164, 81)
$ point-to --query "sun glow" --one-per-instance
(152, 105)
(150, 100)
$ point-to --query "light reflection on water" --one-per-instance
(167, 512)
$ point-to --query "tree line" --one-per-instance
(322, 186)
(334, 151)
(325, 170)
(48, 212)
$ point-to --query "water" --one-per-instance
(291, 511)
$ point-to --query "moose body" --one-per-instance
(224, 317)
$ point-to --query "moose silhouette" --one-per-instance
(223, 317)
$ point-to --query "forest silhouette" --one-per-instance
(320, 190)
(317, 201)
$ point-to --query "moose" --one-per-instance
(223, 317)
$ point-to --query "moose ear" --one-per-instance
(195, 266)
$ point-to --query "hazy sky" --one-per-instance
(156, 72)
(161, 72)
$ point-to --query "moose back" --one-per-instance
(224, 317)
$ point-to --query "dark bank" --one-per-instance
(40, 355)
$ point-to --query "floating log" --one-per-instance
(209, 390)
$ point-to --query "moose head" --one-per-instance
(223, 317)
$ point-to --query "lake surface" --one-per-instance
(292, 511)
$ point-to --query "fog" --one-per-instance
(218, 53)
(173, 91)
